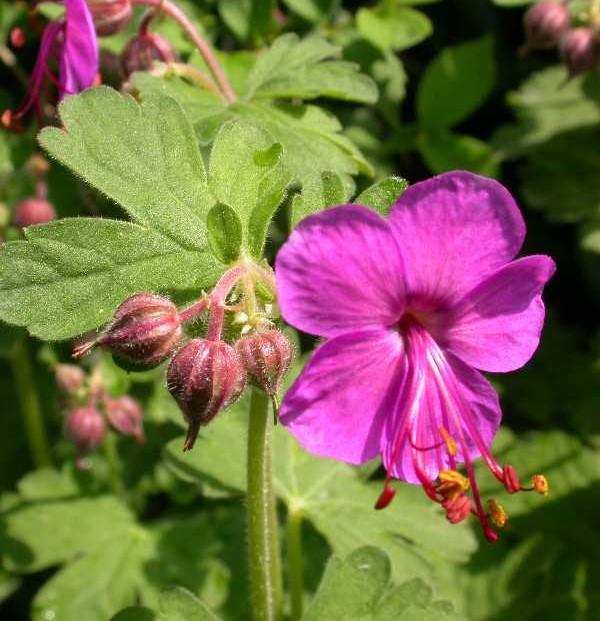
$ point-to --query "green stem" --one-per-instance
(30, 405)
(295, 561)
(114, 464)
(263, 543)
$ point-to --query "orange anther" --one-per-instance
(449, 440)
(497, 513)
(540, 484)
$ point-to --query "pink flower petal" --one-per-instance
(497, 326)
(79, 53)
(340, 271)
(453, 231)
(337, 407)
(459, 400)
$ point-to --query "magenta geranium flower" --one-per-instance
(72, 43)
(412, 308)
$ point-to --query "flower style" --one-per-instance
(73, 42)
(411, 307)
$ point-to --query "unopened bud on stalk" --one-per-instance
(145, 330)
(86, 427)
(545, 24)
(32, 211)
(144, 50)
(125, 415)
(204, 377)
(110, 16)
(580, 50)
(267, 357)
(69, 377)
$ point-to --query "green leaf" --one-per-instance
(547, 104)
(69, 276)
(310, 138)
(38, 535)
(381, 196)
(224, 232)
(393, 28)
(456, 83)
(247, 174)
(358, 588)
(294, 68)
(178, 604)
(311, 10)
(331, 496)
(135, 613)
(445, 150)
(247, 19)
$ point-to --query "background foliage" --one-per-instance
(334, 97)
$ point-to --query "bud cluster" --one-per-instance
(205, 375)
(549, 24)
(91, 411)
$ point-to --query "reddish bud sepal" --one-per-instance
(204, 377)
(144, 50)
(580, 50)
(545, 24)
(86, 427)
(32, 211)
(267, 357)
(110, 16)
(69, 377)
(125, 415)
(144, 332)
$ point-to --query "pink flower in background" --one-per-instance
(72, 43)
(412, 307)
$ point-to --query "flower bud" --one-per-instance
(69, 377)
(580, 50)
(125, 415)
(144, 50)
(545, 24)
(86, 427)
(34, 211)
(110, 16)
(145, 330)
(267, 357)
(204, 377)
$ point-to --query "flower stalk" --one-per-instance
(263, 543)
(173, 11)
(295, 562)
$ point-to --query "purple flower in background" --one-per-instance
(72, 43)
(411, 307)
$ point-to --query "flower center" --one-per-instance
(436, 428)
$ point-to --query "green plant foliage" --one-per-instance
(311, 10)
(358, 588)
(382, 195)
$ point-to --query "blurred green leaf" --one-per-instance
(247, 19)
(306, 69)
(311, 10)
(358, 588)
(135, 613)
(456, 83)
(178, 604)
(444, 150)
(392, 27)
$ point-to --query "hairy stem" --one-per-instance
(114, 464)
(173, 11)
(295, 562)
(263, 544)
(30, 405)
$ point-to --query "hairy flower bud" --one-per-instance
(145, 330)
(144, 50)
(580, 50)
(110, 16)
(69, 377)
(267, 357)
(86, 427)
(545, 24)
(125, 415)
(34, 211)
(204, 377)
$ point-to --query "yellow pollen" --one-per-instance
(497, 513)
(452, 483)
(449, 440)
(540, 484)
